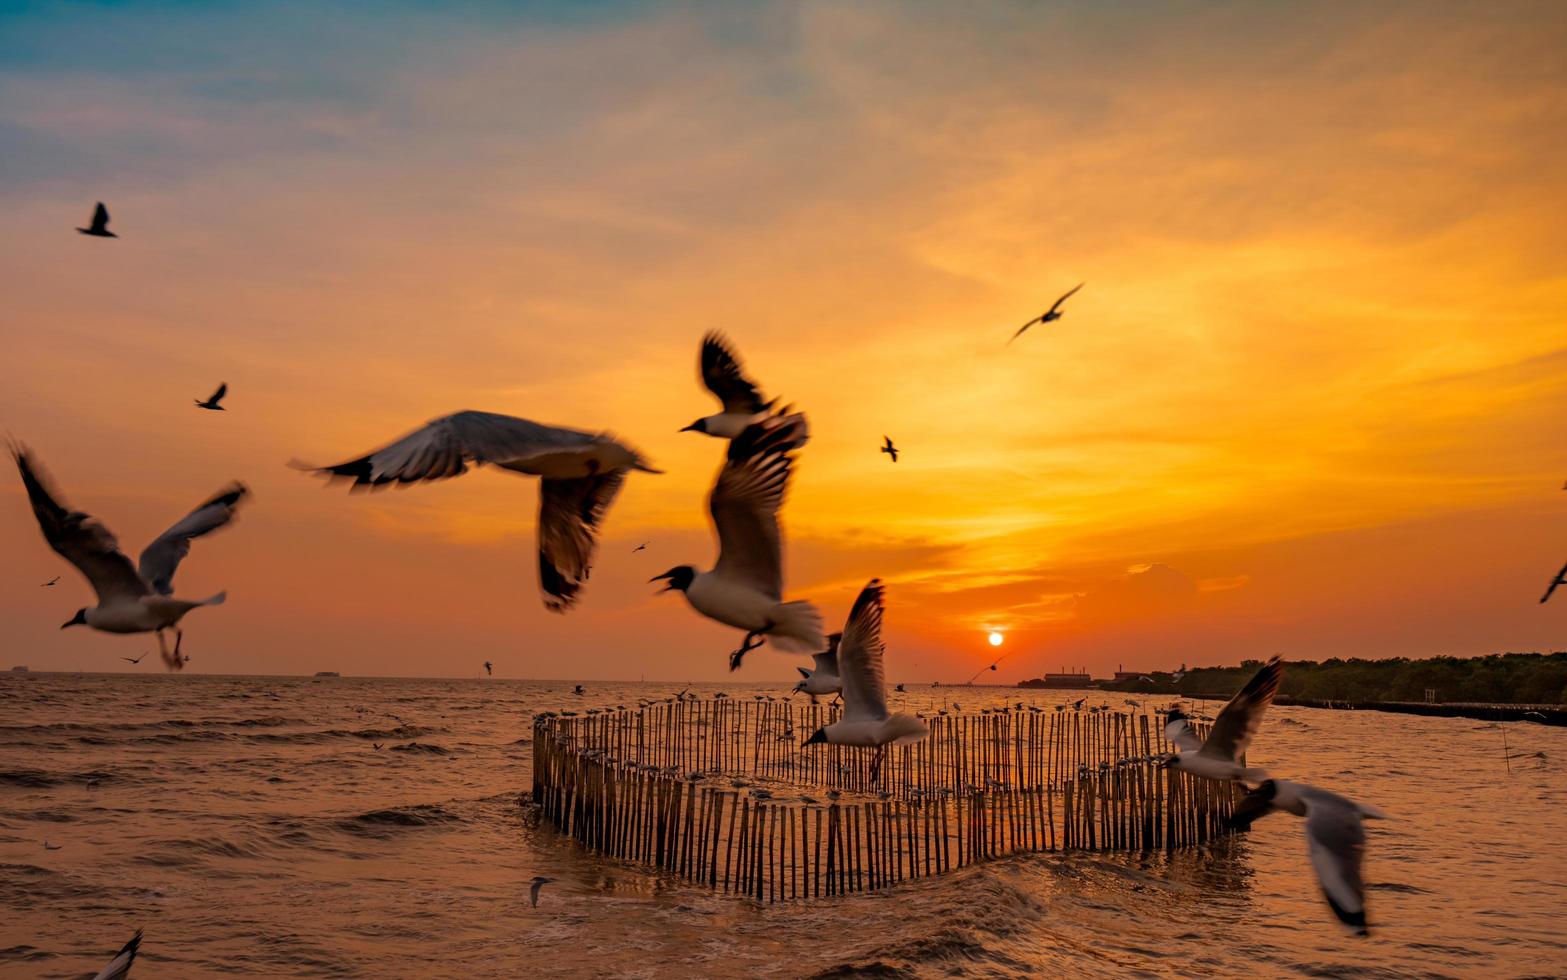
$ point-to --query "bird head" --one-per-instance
(680, 578)
(700, 425)
(817, 738)
(80, 619)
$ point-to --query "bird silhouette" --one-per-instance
(640, 547)
(135, 661)
(50, 582)
(1050, 315)
(538, 882)
(889, 448)
(377, 745)
(489, 669)
(100, 224)
(211, 404)
(1560, 579)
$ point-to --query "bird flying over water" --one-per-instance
(889, 448)
(538, 882)
(1560, 579)
(1050, 315)
(211, 404)
(1223, 754)
(137, 660)
(120, 967)
(581, 473)
(489, 669)
(725, 378)
(131, 599)
(100, 224)
(1335, 836)
(744, 588)
(823, 679)
(52, 581)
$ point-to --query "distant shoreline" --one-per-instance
(1550, 714)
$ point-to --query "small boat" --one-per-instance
(328, 673)
(18, 670)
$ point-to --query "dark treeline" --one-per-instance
(1508, 678)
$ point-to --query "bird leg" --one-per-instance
(752, 640)
(881, 750)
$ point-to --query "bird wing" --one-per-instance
(1252, 807)
(1064, 297)
(444, 447)
(80, 539)
(217, 396)
(100, 217)
(724, 377)
(120, 967)
(570, 512)
(746, 499)
(1336, 840)
(1024, 328)
(860, 658)
(827, 660)
(1238, 722)
(1178, 731)
(161, 559)
(1561, 577)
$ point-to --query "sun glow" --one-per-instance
(995, 639)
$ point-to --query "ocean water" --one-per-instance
(250, 827)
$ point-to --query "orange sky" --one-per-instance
(1307, 403)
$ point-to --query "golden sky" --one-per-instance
(1308, 401)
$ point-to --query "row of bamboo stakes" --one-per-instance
(720, 793)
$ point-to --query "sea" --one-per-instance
(379, 827)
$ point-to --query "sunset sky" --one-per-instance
(1310, 400)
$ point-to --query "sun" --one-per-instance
(995, 639)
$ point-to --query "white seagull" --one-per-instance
(1335, 839)
(866, 720)
(581, 474)
(725, 378)
(823, 679)
(131, 599)
(1223, 755)
(744, 589)
(120, 967)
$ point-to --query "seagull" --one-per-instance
(52, 847)
(581, 474)
(641, 547)
(889, 448)
(539, 881)
(135, 661)
(580, 690)
(1078, 704)
(100, 224)
(824, 678)
(120, 967)
(725, 378)
(865, 719)
(131, 599)
(52, 581)
(211, 403)
(744, 589)
(1561, 579)
(1335, 838)
(1223, 755)
(1050, 315)
(489, 669)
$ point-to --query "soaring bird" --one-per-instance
(889, 448)
(489, 669)
(100, 224)
(131, 599)
(725, 378)
(211, 404)
(53, 581)
(1050, 315)
(744, 589)
(1223, 754)
(538, 882)
(136, 660)
(120, 967)
(823, 679)
(641, 547)
(866, 720)
(1335, 838)
(1560, 579)
(581, 474)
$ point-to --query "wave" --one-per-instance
(426, 747)
(414, 815)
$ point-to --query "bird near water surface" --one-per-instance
(1222, 754)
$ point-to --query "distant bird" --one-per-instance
(823, 679)
(579, 691)
(377, 745)
(136, 660)
(130, 599)
(1223, 754)
(52, 847)
(865, 719)
(640, 547)
(1561, 579)
(725, 378)
(489, 669)
(899, 689)
(744, 589)
(1050, 315)
(993, 666)
(211, 403)
(120, 967)
(581, 474)
(100, 224)
(539, 881)
(1335, 836)
(50, 582)
(889, 448)
(1078, 704)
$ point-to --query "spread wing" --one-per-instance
(570, 512)
(1336, 840)
(724, 377)
(444, 448)
(217, 396)
(827, 660)
(120, 967)
(860, 658)
(746, 499)
(1240, 719)
(80, 539)
(100, 217)
(1065, 296)
(1253, 807)
(161, 559)
(1023, 329)
(1178, 731)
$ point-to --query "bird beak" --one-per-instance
(818, 737)
(690, 428)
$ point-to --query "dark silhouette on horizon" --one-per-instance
(211, 404)
(489, 669)
(100, 224)
(1050, 315)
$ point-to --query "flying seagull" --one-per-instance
(994, 665)
(1561, 579)
(211, 404)
(744, 589)
(135, 661)
(120, 967)
(100, 224)
(641, 547)
(1050, 315)
(489, 669)
(823, 679)
(1223, 754)
(539, 881)
(52, 581)
(866, 720)
(581, 474)
(131, 599)
(889, 448)
(725, 378)
(1335, 838)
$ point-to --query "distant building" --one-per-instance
(1061, 681)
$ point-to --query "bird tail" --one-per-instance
(1370, 812)
(797, 628)
(216, 600)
